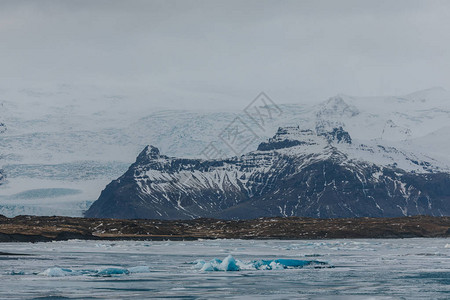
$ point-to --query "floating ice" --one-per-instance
(209, 267)
(57, 272)
(107, 272)
(112, 271)
(447, 246)
(231, 264)
(276, 266)
(16, 273)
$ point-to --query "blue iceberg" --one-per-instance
(232, 264)
(113, 271)
(228, 264)
(286, 263)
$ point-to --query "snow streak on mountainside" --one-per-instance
(87, 138)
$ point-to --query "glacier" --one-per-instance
(47, 145)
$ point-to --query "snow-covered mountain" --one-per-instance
(78, 140)
(298, 172)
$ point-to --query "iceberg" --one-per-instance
(16, 273)
(57, 272)
(295, 263)
(113, 271)
(107, 272)
(232, 264)
(208, 267)
(278, 264)
(229, 264)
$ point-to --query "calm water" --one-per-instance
(357, 269)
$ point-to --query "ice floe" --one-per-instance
(112, 271)
(232, 264)
(57, 272)
(107, 272)
(229, 263)
(15, 273)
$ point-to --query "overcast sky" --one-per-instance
(204, 53)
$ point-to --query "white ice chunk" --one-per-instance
(229, 264)
(57, 272)
(276, 266)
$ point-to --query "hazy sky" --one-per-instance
(206, 53)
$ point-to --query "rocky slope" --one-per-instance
(298, 172)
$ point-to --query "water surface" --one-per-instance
(356, 269)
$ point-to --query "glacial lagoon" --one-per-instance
(228, 269)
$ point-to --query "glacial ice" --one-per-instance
(112, 271)
(232, 264)
(16, 273)
(57, 272)
(229, 263)
(107, 272)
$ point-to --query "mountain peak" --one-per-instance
(149, 152)
(291, 136)
(287, 137)
(337, 107)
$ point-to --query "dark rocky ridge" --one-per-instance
(44, 229)
(296, 173)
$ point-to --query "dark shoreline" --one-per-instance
(47, 229)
